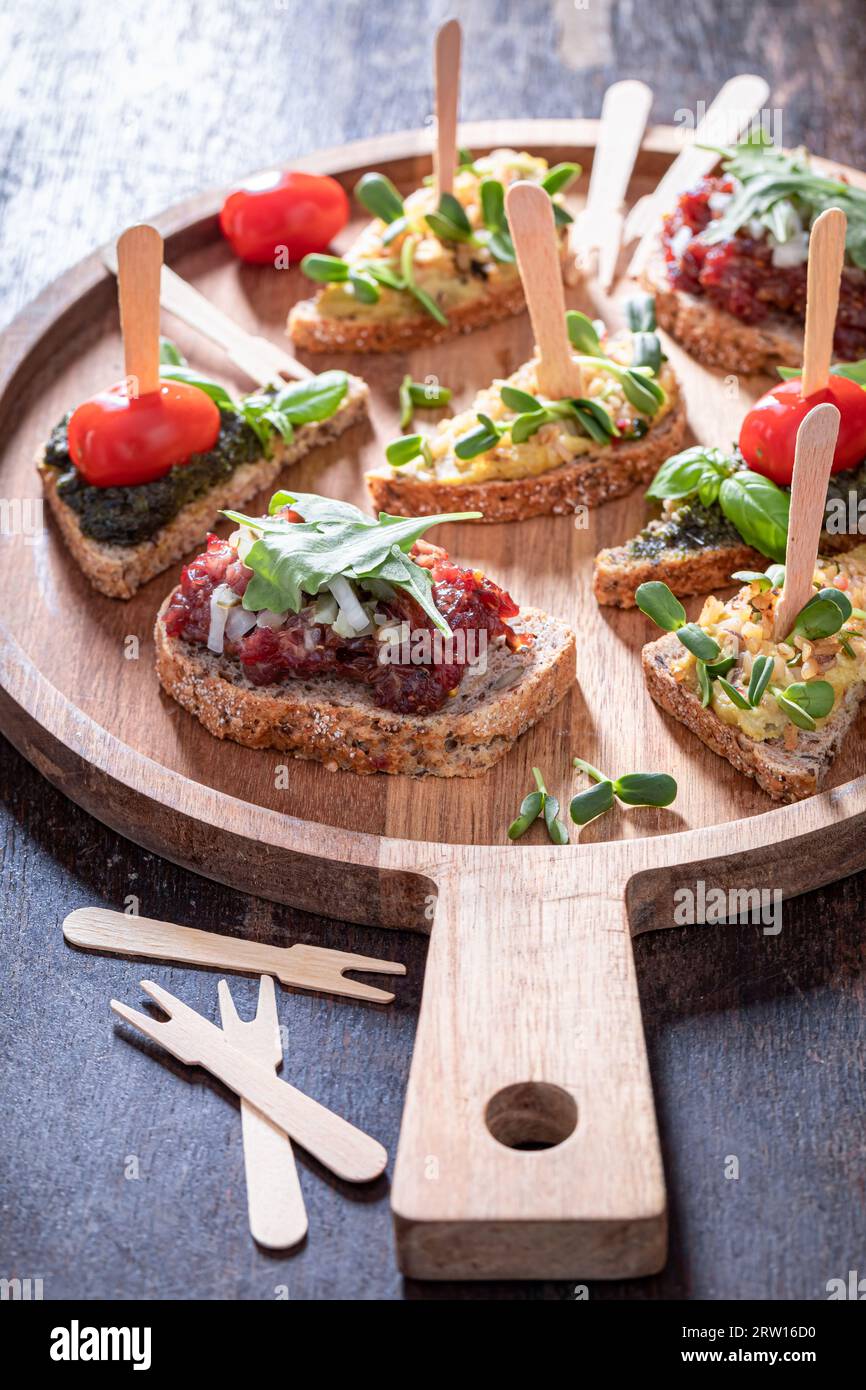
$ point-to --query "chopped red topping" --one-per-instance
(302, 648)
(739, 277)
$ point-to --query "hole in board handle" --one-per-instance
(531, 1115)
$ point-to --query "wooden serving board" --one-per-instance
(529, 1144)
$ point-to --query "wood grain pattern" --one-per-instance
(813, 460)
(752, 1040)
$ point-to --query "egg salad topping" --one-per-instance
(561, 440)
(743, 630)
(449, 271)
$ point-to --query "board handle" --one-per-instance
(529, 1147)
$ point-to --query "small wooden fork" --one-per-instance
(275, 1202)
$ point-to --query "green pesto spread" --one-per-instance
(128, 515)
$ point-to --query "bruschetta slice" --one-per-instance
(515, 454)
(424, 271)
(729, 268)
(334, 636)
(778, 711)
(123, 532)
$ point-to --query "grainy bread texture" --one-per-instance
(335, 722)
(596, 477)
(787, 775)
(618, 573)
(119, 570)
(312, 331)
(717, 338)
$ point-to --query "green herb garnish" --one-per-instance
(293, 561)
(422, 395)
(378, 195)
(539, 803)
(755, 506)
(633, 788)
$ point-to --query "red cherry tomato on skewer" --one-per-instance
(769, 431)
(302, 212)
(117, 440)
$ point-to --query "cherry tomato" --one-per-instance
(769, 431)
(301, 212)
(117, 440)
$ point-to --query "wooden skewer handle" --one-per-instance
(530, 1035)
(447, 75)
(813, 459)
(826, 258)
(533, 230)
(624, 115)
(139, 262)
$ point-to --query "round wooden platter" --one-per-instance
(87, 710)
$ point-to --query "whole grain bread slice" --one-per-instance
(596, 477)
(336, 722)
(715, 337)
(618, 572)
(785, 774)
(120, 570)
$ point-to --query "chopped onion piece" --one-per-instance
(268, 618)
(239, 622)
(222, 599)
(350, 607)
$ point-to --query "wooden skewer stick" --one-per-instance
(826, 257)
(813, 459)
(139, 263)
(533, 231)
(447, 75)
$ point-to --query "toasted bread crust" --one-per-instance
(717, 338)
(118, 571)
(595, 478)
(618, 573)
(784, 774)
(335, 722)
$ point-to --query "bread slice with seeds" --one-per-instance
(118, 571)
(786, 774)
(336, 722)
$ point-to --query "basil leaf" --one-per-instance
(640, 313)
(733, 694)
(854, 371)
(682, 474)
(519, 400)
(657, 602)
(170, 354)
(593, 802)
(557, 179)
(582, 333)
(759, 511)
(218, 394)
(325, 270)
(698, 642)
(762, 673)
(478, 441)
(646, 789)
(312, 399)
(378, 195)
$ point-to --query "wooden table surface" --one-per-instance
(122, 1174)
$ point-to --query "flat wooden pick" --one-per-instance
(813, 459)
(533, 231)
(447, 77)
(139, 263)
(826, 258)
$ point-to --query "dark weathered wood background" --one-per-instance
(107, 114)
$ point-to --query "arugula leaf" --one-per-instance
(293, 559)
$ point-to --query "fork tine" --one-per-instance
(160, 996)
(143, 1022)
(345, 960)
(228, 1011)
(267, 1004)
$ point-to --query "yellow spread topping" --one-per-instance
(743, 628)
(451, 273)
(553, 445)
